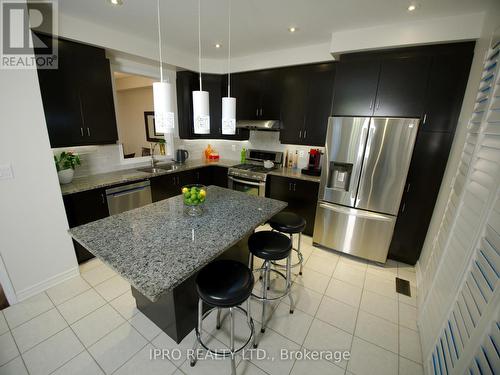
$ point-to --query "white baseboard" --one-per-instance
(46, 284)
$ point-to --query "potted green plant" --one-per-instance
(66, 163)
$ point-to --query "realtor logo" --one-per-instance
(21, 47)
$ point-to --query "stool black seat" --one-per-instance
(224, 283)
(288, 222)
(291, 224)
(269, 245)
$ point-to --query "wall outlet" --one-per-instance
(6, 172)
(301, 153)
(233, 148)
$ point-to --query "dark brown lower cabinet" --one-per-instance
(218, 176)
(427, 167)
(170, 185)
(82, 208)
(301, 196)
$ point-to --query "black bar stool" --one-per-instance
(290, 223)
(224, 284)
(271, 246)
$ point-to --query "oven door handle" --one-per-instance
(246, 182)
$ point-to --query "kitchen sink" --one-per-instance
(159, 168)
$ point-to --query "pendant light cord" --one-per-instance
(159, 41)
(229, 54)
(199, 40)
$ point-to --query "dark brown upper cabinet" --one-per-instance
(258, 94)
(385, 87)
(216, 85)
(306, 103)
(448, 76)
(355, 88)
(78, 96)
(401, 87)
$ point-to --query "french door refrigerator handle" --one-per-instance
(356, 212)
(359, 160)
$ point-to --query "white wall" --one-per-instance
(437, 30)
(34, 244)
(130, 107)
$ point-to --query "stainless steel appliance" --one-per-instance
(363, 176)
(127, 197)
(181, 155)
(251, 176)
(265, 125)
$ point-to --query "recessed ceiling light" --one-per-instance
(115, 2)
(218, 45)
(292, 29)
(412, 7)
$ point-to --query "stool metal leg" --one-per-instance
(233, 360)
(289, 281)
(218, 318)
(250, 323)
(200, 326)
(300, 254)
(264, 294)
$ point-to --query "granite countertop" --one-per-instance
(128, 175)
(294, 173)
(158, 246)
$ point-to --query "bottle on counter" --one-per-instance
(285, 160)
(295, 159)
(208, 151)
(243, 155)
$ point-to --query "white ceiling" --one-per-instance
(257, 25)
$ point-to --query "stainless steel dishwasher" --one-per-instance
(127, 197)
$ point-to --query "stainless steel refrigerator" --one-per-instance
(363, 178)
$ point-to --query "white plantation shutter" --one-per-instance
(460, 289)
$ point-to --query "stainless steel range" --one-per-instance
(250, 177)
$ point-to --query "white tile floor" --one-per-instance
(90, 325)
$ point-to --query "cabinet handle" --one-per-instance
(173, 179)
(289, 186)
(300, 133)
(294, 186)
(425, 119)
(88, 131)
(408, 188)
(102, 198)
(403, 208)
(257, 112)
(81, 131)
(261, 111)
(305, 133)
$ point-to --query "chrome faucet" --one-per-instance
(152, 147)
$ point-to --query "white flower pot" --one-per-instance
(65, 176)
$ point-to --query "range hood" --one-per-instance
(265, 125)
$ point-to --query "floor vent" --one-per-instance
(403, 287)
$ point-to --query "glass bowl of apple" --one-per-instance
(194, 197)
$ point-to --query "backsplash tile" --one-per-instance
(106, 158)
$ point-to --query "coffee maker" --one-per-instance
(314, 165)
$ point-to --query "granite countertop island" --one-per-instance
(158, 246)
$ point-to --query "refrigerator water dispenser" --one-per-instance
(340, 176)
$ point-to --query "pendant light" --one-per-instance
(201, 110)
(229, 103)
(162, 95)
